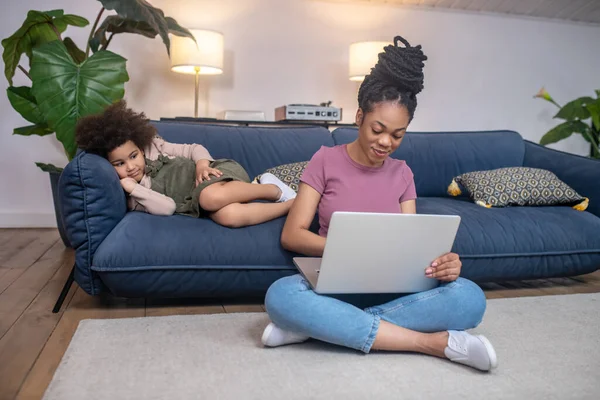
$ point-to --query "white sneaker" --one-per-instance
(287, 193)
(472, 350)
(274, 336)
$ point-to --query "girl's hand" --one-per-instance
(445, 268)
(203, 173)
(128, 184)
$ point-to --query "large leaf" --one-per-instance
(56, 15)
(38, 129)
(575, 109)
(142, 11)
(66, 91)
(34, 29)
(594, 109)
(74, 20)
(25, 104)
(563, 131)
(115, 24)
(178, 30)
(49, 167)
(76, 53)
(38, 28)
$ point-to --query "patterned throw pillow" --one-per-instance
(288, 173)
(517, 186)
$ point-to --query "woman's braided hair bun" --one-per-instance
(397, 76)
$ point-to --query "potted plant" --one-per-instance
(581, 116)
(67, 82)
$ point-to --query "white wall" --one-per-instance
(482, 72)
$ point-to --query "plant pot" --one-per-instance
(54, 177)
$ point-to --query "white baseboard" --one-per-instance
(15, 220)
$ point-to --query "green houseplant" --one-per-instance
(581, 116)
(67, 82)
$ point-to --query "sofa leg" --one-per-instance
(65, 290)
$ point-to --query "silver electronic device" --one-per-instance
(308, 112)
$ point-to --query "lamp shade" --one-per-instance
(207, 56)
(363, 57)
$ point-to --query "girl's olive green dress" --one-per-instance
(176, 178)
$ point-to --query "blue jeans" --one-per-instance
(353, 320)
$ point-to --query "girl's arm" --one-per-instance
(295, 235)
(144, 199)
(195, 152)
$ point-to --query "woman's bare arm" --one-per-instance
(408, 207)
(295, 235)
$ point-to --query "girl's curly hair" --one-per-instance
(102, 133)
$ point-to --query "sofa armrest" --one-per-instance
(92, 202)
(581, 173)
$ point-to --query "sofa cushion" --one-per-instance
(155, 256)
(92, 202)
(520, 242)
(517, 186)
(147, 241)
(290, 173)
(581, 173)
(160, 256)
(255, 148)
(437, 157)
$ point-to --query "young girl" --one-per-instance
(361, 176)
(164, 178)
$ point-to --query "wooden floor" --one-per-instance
(34, 265)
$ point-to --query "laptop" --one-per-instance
(379, 253)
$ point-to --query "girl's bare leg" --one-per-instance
(221, 194)
(237, 215)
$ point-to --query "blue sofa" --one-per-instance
(134, 254)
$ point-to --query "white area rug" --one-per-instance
(548, 348)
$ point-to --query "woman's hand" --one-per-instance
(204, 171)
(128, 184)
(445, 268)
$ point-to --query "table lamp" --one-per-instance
(203, 58)
(363, 57)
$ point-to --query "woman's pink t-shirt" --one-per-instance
(345, 185)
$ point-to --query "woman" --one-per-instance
(361, 176)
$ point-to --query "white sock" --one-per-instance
(274, 336)
(287, 193)
(473, 350)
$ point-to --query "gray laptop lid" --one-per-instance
(383, 253)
